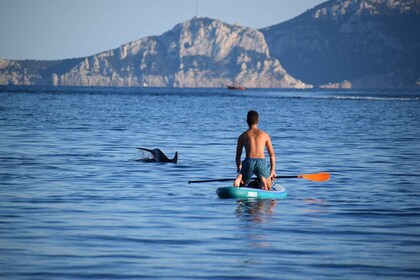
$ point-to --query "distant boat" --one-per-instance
(237, 87)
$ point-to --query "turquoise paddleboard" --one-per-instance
(252, 193)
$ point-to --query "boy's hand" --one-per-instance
(273, 175)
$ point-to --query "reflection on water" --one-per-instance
(314, 201)
(256, 211)
(253, 213)
(314, 205)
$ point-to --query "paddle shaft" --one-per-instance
(230, 179)
(317, 177)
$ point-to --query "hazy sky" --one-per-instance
(58, 29)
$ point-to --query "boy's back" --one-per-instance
(254, 140)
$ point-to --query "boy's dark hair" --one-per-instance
(252, 117)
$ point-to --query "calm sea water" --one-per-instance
(77, 202)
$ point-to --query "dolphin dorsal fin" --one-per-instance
(175, 159)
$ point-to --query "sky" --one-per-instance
(59, 29)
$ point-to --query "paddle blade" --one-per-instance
(319, 177)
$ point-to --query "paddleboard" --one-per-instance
(252, 193)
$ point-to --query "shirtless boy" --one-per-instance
(255, 140)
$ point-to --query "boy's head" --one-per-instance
(252, 117)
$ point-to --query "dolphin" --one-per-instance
(159, 156)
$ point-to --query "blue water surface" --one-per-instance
(77, 201)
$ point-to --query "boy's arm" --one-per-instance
(239, 148)
(270, 151)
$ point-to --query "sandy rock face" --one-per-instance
(201, 52)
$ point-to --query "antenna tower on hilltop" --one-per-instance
(196, 9)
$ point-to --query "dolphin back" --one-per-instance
(159, 156)
(163, 158)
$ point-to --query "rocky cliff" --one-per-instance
(201, 52)
(351, 43)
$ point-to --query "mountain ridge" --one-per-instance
(351, 43)
(337, 44)
(201, 52)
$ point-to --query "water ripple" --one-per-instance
(77, 201)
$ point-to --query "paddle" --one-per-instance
(317, 177)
